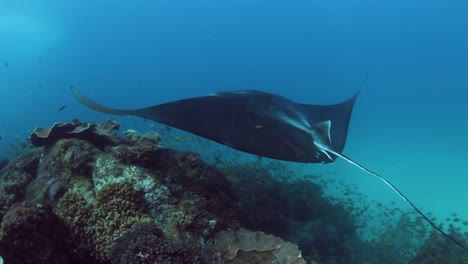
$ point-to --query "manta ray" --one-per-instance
(262, 124)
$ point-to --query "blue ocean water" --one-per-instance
(410, 59)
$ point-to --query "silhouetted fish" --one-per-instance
(62, 107)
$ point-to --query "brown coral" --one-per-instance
(77, 215)
(244, 246)
(118, 207)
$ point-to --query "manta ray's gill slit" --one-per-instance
(395, 189)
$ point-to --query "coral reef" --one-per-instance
(60, 167)
(118, 207)
(6, 201)
(438, 249)
(15, 177)
(3, 163)
(140, 149)
(34, 234)
(83, 194)
(244, 246)
(144, 243)
(77, 214)
(295, 210)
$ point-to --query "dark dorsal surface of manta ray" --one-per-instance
(263, 124)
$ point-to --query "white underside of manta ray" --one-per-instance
(263, 124)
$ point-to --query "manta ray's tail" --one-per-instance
(95, 106)
(395, 189)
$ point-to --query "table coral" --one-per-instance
(99, 134)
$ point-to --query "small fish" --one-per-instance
(62, 107)
(0, 137)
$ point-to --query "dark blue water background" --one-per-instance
(410, 122)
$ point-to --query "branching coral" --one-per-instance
(118, 207)
(77, 215)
